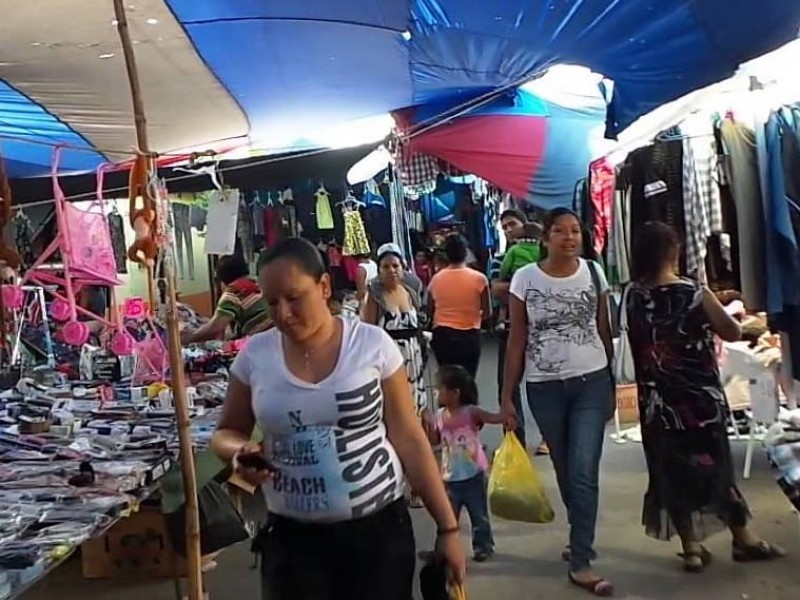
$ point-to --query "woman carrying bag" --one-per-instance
(332, 399)
(560, 333)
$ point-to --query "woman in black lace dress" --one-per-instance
(692, 489)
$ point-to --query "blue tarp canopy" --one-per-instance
(240, 71)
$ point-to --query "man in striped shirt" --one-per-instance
(241, 307)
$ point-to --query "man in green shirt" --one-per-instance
(526, 250)
(241, 307)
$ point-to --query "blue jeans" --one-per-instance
(572, 415)
(471, 494)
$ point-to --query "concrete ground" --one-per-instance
(527, 565)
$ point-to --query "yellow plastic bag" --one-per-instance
(515, 491)
(458, 592)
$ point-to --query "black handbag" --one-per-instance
(433, 581)
(221, 525)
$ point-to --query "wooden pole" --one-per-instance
(193, 554)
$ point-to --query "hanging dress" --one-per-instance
(355, 235)
(683, 414)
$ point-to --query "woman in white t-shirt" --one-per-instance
(332, 400)
(563, 338)
(367, 271)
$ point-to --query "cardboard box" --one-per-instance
(138, 546)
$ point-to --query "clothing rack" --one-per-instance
(32, 204)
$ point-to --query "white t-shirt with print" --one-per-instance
(328, 440)
(563, 340)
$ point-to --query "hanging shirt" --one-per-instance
(782, 250)
(323, 210)
(602, 177)
(743, 148)
(327, 440)
(697, 215)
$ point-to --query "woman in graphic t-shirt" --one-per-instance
(563, 339)
(332, 399)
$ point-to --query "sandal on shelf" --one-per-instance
(696, 561)
(598, 587)
(762, 551)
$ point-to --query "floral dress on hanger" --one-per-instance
(356, 242)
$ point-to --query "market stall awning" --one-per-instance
(226, 73)
(532, 147)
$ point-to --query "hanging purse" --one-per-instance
(624, 369)
(612, 397)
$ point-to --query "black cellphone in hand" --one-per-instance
(255, 461)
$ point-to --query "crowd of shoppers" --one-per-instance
(349, 426)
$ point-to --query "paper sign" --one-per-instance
(764, 398)
(223, 213)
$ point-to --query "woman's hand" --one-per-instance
(255, 476)
(509, 414)
(449, 549)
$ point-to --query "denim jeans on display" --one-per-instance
(572, 416)
(182, 215)
(471, 494)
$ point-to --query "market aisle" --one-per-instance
(527, 565)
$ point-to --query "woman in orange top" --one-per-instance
(459, 299)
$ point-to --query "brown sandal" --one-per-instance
(763, 551)
(566, 554)
(697, 561)
(599, 587)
